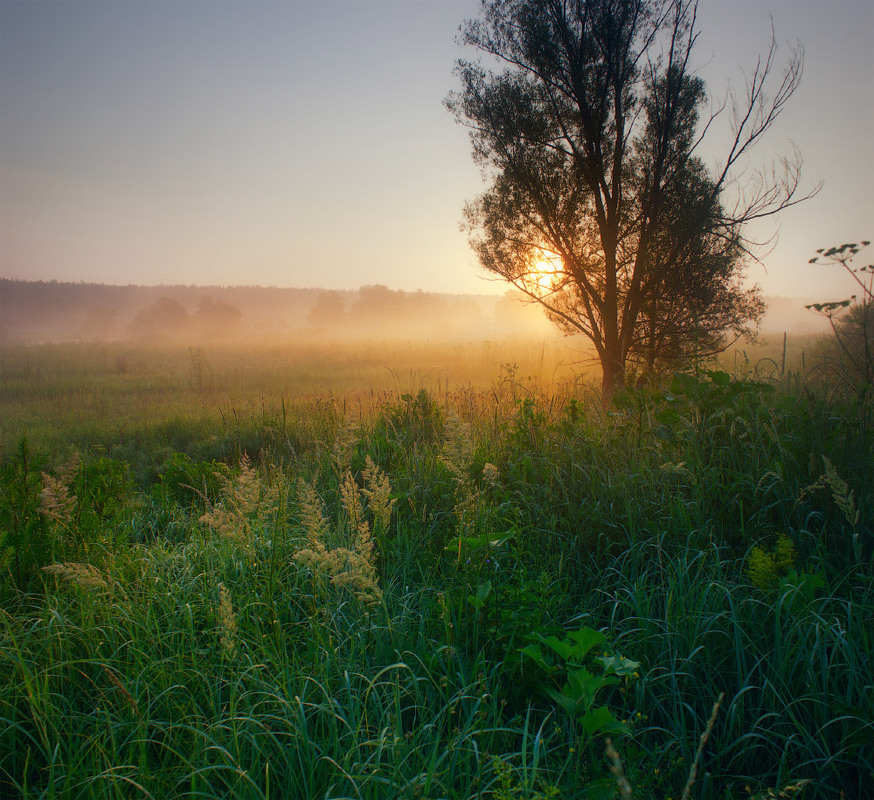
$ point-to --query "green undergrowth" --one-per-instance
(499, 594)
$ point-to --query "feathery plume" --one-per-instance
(345, 445)
(86, 576)
(457, 454)
(378, 493)
(228, 621)
(841, 494)
(56, 502)
(350, 567)
(491, 475)
(243, 500)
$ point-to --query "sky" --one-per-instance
(305, 142)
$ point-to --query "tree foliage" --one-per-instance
(587, 124)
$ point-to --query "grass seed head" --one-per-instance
(228, 621)
(86, 576)
(56, 502)
(378, 492)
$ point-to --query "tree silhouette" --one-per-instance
(599, 207)
(217, 319)
(165, 318)
(328, 313)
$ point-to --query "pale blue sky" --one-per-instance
(304, 143)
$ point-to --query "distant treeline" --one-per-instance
(39, 311)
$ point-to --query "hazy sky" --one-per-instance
(304, 142)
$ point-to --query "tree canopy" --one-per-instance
(586, 123)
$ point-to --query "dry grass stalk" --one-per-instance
(378, 493)
(345, 445)
(56, 502)
(841, 493)
(122, 690)
(678, 471)
(787, 791)
(353, 567)
(86, 576)
(491, 475)
(693, 771)
(618, 771)
(313, 519)
(457, 457)
(243, 500)
(66, 472)
(457, 453)
(351, 500)
(228, 621)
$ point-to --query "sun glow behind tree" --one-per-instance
(545, 274)
(586, 118)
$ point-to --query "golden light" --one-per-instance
(545, 272)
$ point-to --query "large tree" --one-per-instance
(587, 124)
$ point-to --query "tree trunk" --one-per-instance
(613, 368)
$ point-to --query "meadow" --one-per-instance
(430, 571)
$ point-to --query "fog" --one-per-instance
(37, 312)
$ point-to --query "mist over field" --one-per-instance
(39, 312)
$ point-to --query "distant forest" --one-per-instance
(43, 311)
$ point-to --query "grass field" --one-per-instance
(430, 572)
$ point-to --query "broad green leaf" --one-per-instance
(616, 665)
(584, 640)
(583, 685)
(572, 705)
(597, 720)
(563, 647)
(667, 416)
(534, 652)
(482, 594)
(682, 383)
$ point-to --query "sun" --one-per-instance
(544, 272)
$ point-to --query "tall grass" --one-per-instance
(177, 647)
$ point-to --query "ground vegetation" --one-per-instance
(502, 591)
